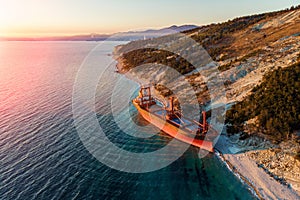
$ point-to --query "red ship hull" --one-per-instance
(173, 130)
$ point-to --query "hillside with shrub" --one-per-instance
(246, 51)
(274, 104)
(222, 41)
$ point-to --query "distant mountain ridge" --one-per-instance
(123, 36)
(152, 33)
(167, 30)
(244, 50)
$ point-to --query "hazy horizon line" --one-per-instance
(91, 35)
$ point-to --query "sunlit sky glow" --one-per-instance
(32, 18)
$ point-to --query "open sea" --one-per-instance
(43, 157)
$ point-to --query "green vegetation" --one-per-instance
(215, 38)
(298, 155)
(148, 55)
(272, 110)
(212, 38)
(254, 53)
(225, 67)
(163, 90)
(275, 104)
(273, 107)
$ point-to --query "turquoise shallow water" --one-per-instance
(42, 156)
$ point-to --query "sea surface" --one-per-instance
(42, 156)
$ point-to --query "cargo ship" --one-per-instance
(171, 121)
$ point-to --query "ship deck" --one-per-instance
(189, 126)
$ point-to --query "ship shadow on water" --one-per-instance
(138, 119)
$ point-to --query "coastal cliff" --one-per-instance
(246, 51)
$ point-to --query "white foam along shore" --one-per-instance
(263, 185)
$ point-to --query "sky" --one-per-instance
(34, 18)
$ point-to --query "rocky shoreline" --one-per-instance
(280, 163)
(250, 167)
(269, 169)
(243, 179)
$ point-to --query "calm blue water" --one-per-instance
(42, 157)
